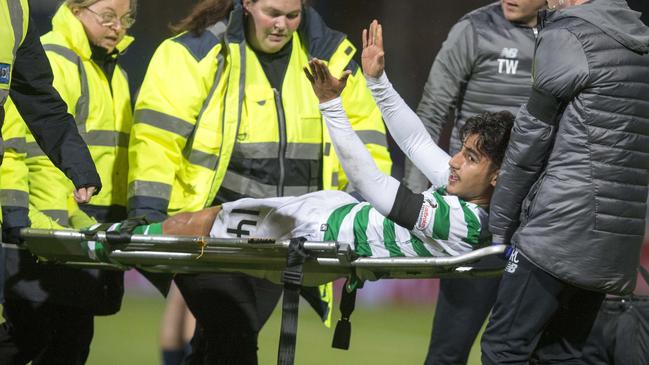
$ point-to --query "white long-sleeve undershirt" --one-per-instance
(379, 189)
(409, 132)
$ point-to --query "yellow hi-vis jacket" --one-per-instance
(103, 117)
(203, 95)
(94, 291)
(14, 18)
(15, 184)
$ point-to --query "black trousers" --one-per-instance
(462, 308)
(44, 334)
(230, 309)
(537, 318)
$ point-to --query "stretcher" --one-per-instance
(326, 261)
(294, 263)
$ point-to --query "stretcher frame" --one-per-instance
(261, 258)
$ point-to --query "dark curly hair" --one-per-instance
(493, 130)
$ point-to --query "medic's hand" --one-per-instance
(325, 86)
(83, 195)
(373, 56)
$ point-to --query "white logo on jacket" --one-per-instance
(508, 62)
(512, 264)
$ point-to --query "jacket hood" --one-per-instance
(68, 26)
(613, 17)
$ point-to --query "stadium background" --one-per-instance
(393, 318)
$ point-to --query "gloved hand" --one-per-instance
(12, 235)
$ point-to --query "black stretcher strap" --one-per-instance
(125, 231)
(292, 279)
(343, 332)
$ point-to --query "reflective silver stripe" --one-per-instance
(33, 150)
(66, 53)
(82, 109)
(334, 179)
(163, 121)
(302, 151)
(14, 198)
(16, 15)
(60, 216)
(197, 157)
(243, 185)
(218, 29)
(150, 189)
(106, 138)
(17, 144)
(373, 137)
(94, 138)
(203, 159)
(3, 96)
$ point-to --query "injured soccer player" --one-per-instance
(450, 218)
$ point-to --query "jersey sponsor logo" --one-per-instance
(324, 227)
(425, 215)
(508, 61)
(5, 72)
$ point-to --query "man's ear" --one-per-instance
(494, 177)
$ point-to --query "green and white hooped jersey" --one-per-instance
(446, 225)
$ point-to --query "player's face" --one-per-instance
(271, 23)
(472, 176)
(105, 22)
(522, 11)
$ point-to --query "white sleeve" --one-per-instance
(378, 189)
(409, 132)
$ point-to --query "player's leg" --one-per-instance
(191, 223)
(174, 341)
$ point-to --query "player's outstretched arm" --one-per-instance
(376, 187)
(405, 126)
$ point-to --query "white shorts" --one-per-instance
(279, 218)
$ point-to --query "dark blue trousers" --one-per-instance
(538, 318)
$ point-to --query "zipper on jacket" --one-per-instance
(536, 32)
(282, 142)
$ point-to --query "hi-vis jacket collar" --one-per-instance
(65, 23)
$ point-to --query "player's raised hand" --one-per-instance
(373, 56)
(325, 86)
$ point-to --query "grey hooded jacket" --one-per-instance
(576, 171)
